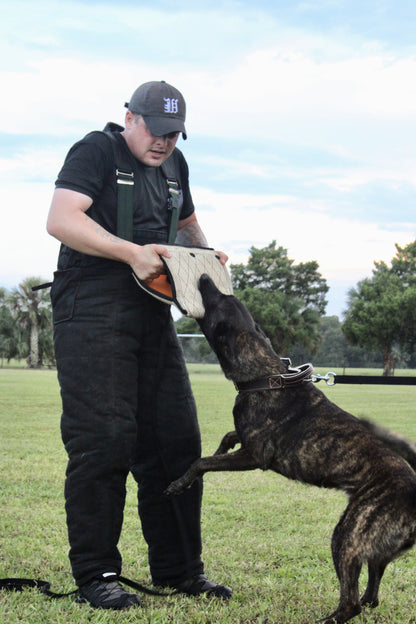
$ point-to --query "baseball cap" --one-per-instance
(162, 107)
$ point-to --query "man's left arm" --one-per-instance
(190, 235)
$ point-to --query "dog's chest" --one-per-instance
(275, 426)
(258, 427)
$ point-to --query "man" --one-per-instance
(126, 396)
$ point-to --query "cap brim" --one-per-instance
(162, 125)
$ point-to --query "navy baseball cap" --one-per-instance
(162, 107)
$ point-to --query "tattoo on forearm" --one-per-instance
(191, 236)
(102, 231)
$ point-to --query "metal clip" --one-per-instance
(122, 180)
(329, 378)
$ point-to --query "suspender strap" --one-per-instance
(125, 204)
(174, 207)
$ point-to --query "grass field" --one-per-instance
(267, 537)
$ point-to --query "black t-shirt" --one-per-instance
(89, 168)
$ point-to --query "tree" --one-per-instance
(381, 313)
(32, 312)
(403, 266)
(9, 340)
(286, 299)
(335, 351)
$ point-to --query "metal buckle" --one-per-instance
(172, 183)
(123, 180)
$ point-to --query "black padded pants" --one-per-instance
(127, 406)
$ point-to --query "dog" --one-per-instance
(283, 422)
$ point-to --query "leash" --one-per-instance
(300, 374)
(19, 584)
(332, 378)
(144, 589)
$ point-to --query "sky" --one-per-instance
(301, 120)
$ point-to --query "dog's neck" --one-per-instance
(253, 359)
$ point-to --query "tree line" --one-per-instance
(26, 325)
(288, 302)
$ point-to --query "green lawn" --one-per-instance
(269, 538)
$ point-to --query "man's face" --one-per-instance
(147, 148)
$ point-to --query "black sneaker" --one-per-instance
(200, 584)
(107, 593)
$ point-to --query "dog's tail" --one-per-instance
(396, 442)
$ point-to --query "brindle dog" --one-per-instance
(297, 432)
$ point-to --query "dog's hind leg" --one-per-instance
(348, 563)
(399, 542)
(238, 460)
(348, 571)
(228, 442)
(375, 573)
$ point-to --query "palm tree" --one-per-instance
(32, 311)
(8, 339)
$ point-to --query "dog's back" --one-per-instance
(304, 436)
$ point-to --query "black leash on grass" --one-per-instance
(19, 584)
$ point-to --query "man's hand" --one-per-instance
(223, 257)
(146, 262)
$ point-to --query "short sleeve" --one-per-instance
(87, 165)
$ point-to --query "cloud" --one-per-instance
(344, 248)
(301, 118)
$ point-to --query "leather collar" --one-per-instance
(293, 377)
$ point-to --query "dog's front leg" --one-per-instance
(238, 460)
(228, 442)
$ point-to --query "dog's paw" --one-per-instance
(341, 615)
(170, 491)
(174, 488)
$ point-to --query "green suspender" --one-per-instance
(125, 204)
(174, 207)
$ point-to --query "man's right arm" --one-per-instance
(69, 223)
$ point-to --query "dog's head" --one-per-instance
(231, 331)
